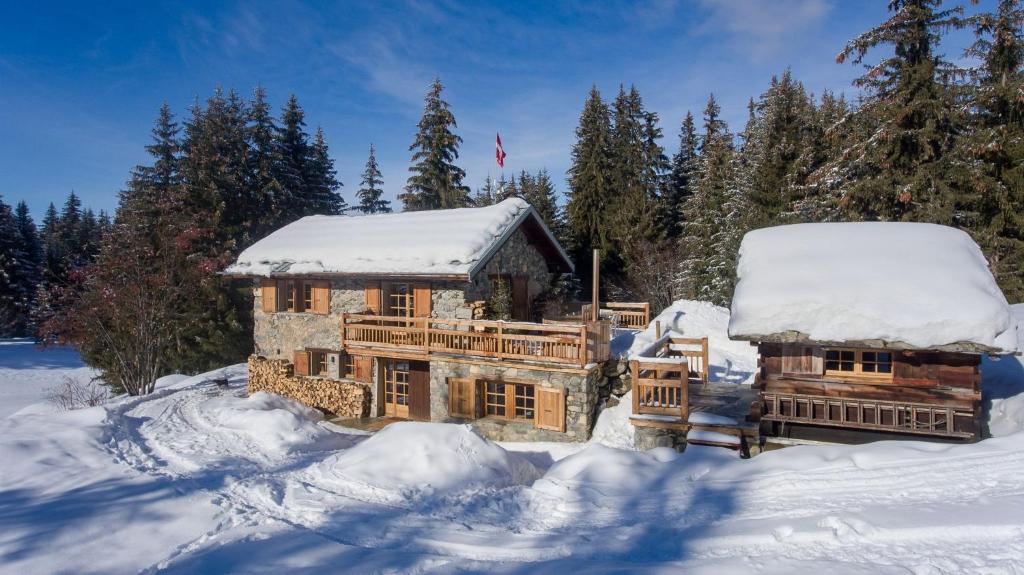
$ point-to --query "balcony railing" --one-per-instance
(631, 315)
(560, 343)
(663, 372)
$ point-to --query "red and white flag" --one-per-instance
(499, 152)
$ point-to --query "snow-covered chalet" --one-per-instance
(382, 315)
(869, 327)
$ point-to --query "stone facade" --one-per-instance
(336, 397)
(645, 438)
(580, 398)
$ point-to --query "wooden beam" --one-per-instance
(595, 298)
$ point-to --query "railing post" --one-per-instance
(584, 345)
(684, 400)
(426, 335)
(344, 316)
(634, 370)
(501, 340)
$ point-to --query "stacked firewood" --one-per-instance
(335, 398)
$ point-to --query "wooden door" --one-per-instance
(396, 388)
(520, 298)
(419, 390)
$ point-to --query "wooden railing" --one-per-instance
(663, 372)
(898, 416)
(563, 343)
(631, 315)
(660, 387)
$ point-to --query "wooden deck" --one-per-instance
(630, 315)
(575, 344)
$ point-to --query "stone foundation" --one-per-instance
(580, 398)
(338, 398)
(645, 438)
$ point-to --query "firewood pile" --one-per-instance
(336, 398)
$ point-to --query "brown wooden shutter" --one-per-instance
(373, 296)
(462, 398)
(364, 368)
(550, 408)
(419, 391)
(322, 297)
(301, 363)
(520, 298)
(268, 293)
(421, 299)
(802, 359)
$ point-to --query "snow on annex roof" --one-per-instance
(456, 242)
(901, 285)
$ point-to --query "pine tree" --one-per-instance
(681, 180)
(12, 257)
(27, 275)
(370, 191)
(322, 182)
(591, 196)
(487, 194)
(53, 253)
(705, 210)
(436, 182)
(541, 195)
(293, 154)
(996, 146)
(904, 169)
(263, 161)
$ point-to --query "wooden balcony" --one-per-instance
(874, 415)
(630, 315)
(576, 344)
(662, 375)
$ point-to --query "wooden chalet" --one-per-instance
(384, 316)
(868, 327)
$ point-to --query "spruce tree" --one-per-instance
(996, 147)
(590, 196)
(436, 182)
(681, 180)
(293, 155)
(904, 170)
(704, 212)
(370, 191)
(541, 195)
(263, 162)
(322, 182)
(13, 297)
(487, 194)
(53, 253)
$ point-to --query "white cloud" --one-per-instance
(761, 25)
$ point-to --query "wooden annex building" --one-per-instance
(873, 327)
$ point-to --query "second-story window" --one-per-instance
(401, 301)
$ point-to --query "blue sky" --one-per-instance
(80, 83)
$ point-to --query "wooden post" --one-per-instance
(595, 296)
(657, 330)
(343, 316)
(501, 340)
(634, 370)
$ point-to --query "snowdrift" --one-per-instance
(424, 459)
(731, 361)
(274, 423)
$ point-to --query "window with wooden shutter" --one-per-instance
(462, 398)
(373, 296)
(300, 363)
(268, 294)
(550, 404)
(321, 297)
(364, 368)
(421, 299)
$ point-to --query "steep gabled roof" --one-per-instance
(900, 285)
(437, 243)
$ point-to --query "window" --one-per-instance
(286, 293)
(401, 301)
(307, 296)
(318, 363)
(513, 401)
(348, 366)
(855, 362)
(396, 388)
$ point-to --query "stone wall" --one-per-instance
(336, 397)
(580, 398)
(516, 257)
(645, 438)
(277, 335)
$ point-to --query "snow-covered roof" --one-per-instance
(433, 243)
(904, 285)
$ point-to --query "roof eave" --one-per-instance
(507, 233)
(798, 337)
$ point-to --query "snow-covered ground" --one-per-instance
(27, 372)
(198, 478)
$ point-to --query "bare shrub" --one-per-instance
(75, 394)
